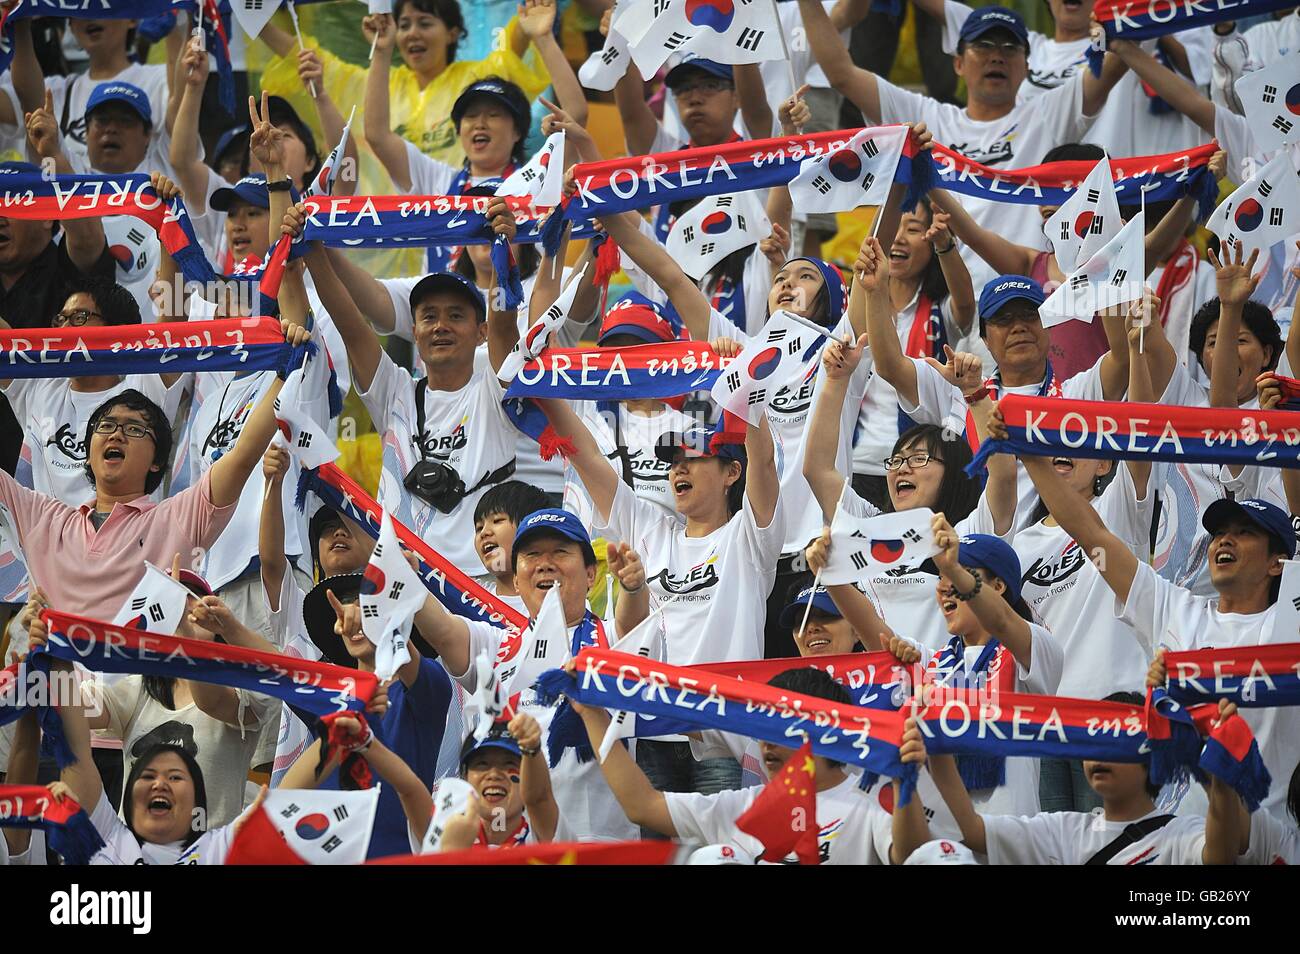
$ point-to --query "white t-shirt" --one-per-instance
(640, 435)
(905, 595)
(852, 829)
(71, 93)
(789, 415)
(587, 805)
(1020, 138)
(1071, 838)
(223, 752)
(122, 848)
(712, 589)
(34, 855)
(54, 419)
(878, 425)
(1163, 614)
(1273, 841)
(465, 429)
(1063, 588)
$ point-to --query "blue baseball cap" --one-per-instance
(502, 91)
(119, 92)
(984, 19)
(227, 139)
(682, 70)
(250, 189)
(1272, 518)
(820, 599)
(497, 738)
(714, 441)
(1006, 288)
(989, 553)
(450, 282)
(553, 520)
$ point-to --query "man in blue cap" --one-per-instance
(994, 128)
(1249, 540)
(246, 206)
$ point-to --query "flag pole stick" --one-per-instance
(293, 15)
(807, 610)
(785, 48)
(1142, 329)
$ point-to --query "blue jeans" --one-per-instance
(1062, 787)
(670, 767)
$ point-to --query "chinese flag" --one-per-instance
(784, 815)
(258, 842)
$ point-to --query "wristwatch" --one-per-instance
(281, 185)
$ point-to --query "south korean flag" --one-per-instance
(1263, 212)
(545, 646)
(864, 547)
(157, 604)
(714, 228)
(533, 341)
(860, 173)
(1271, 100)
(299, 407)
(606, 66)
(451, 796)
(1087, 221)
(324, 827)
(542, 176)
(391, 595)
(1113, 276)
(726, 31)
(488, 697)
(253, 15)
(1286, 621)
(649, 641)
(785, 349)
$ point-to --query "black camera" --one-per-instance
(437, 484)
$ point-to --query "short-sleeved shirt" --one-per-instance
(466, 429)
(628, 441)
(92, 572)
(71, 93)
(1273, 841)
(712, 590)
(121, 847)
(1071, 838)
(852, 828)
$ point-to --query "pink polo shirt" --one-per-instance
(92, 572)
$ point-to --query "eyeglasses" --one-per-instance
(987, 47)
(75, 318)
(706, 85)
(131, 429)
(915, 461)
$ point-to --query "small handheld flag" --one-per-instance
(784, 815)
(1113, 276)
(157, 604)
(715, 227)
(542, 176)
(859, 174)
(785, 349)
(1087, 221)
(866, 547)
(1271, 100)
(1263, 211)
(391, 595)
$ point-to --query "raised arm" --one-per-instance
(1002, 255)
(1168, 85)
(25, 69)
(1293, 332)
(191, 172)
(1140, 390)
(447, 634)
(535, 778)
(762, 483)
(909, 827)
(80, 775)
(655, 261)
(858, 85)
(870, 298)
(643, 804)
(417, 803)
(839, 361)
(270, 531)
(82, 238)
(943, 770)
(536, 21)
(1096, 89)
(755, 111)
(633, 605)
(312, 73)
(389, 148)
(598, 476)
(502, 322)
(1113, 559)
(1235, 281)
(640, 125)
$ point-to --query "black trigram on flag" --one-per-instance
(911, 536)
(1270, 94)
(331, 843)
(821, 185)
(1119, 276)
(794, 347)
(675, 40)
(370, 612)
(688, 234)
(733, 381)
(539, 650)
(156, 612)
(775, 335)
(290, 810)
(750, 39)
(252, 4)
(1275, 216)
(1078, 281)
(659, 7)
(740, 221)
(1098, 223)
(1265, 190)
(138, 603)
(135, 236)
(707, 247)
(756, 397)
(859, 560)
(529, 175)
(1295, 601)
(1065, 231)
(340, 813)
(609, 55)
(304, 440)
(1094, 195)
(395, 590)
(552, 314)
(723, 202)
(870, 149)
(378, 551)
(868, 181)
(1282, 125)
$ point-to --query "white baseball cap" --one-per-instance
(941, 852)
(720, 855)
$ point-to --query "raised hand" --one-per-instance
(626, 566)
(1157, 672)
(949, 544)
(841, 358)
(275, 464)
(380, 30)
(311, 71)
(526, 731)
(266, 143)
(776, 247)
(166, 189)
(938, 234)
(1232, 276)
(537, 18)
(43, 129)
(871, 269)
(195, 62)
(818, 553)
(501, 219)
(794, 113)
(295, 220)
(1269, 389)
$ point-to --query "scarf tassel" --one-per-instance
(1095, 58)
(552, 231)
(507, 272)
(294, 359)
(980, 772)
(608, 260)
(925, 176)
(568, 732)
(76, 840)
(550, 443)
(1206, 191)
(306, 480)
(1243, 770)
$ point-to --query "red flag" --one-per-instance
(258, 842)
(784, 815)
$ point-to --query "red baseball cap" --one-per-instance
(640, 317)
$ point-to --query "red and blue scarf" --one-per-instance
(30, 195)
(222, 344)
(994, 671)
(67, 827)
(1164, 177)
(618, 374)
(1108, 430)
(458, 593)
